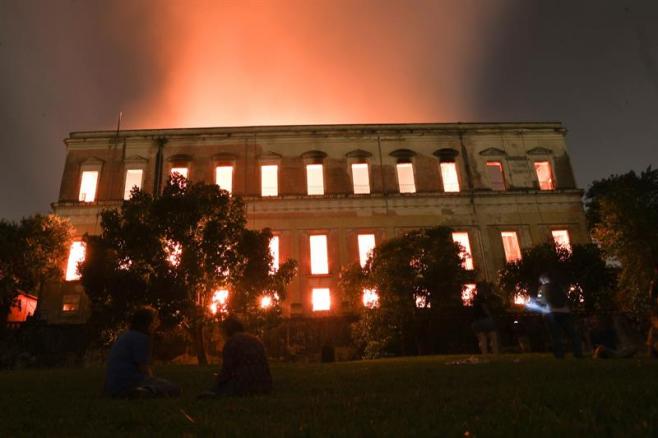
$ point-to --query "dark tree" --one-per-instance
(582, 269)
(174, 252)
(418, 277)
(622, 212)
(32, 252)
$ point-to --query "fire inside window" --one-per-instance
(182, 171)
(370, 298)
(70, 303)
(133, 179)
(449, 177)
(274, 252)
(406, 178)
(468, 293)
(495, 175)
(511, 246)
(88, 184)
(366, 245)
(269, 183)
(466, 255)
(544, 175)
(224, 177)
(314, 179)
(76, 255)
(321, 299)
(561, 239)
(360, 178)
(219, 301)
(319, 258)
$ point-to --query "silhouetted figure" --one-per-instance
(553, 294)
(129, 371)
(245, 370)
(483, 324)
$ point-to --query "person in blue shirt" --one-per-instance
(129, 371)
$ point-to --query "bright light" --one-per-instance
(133, 179)
(495, 175)
(360, 178)
(370, 298)
(319, 258)
(561, 239)
(182, 171)
(544, 175)
(219, 301)
(76, 255)
(321, 299)
(314, 179)
(224, 178)
(449, 177)
(71, 303)
(173, 251)
(468, 293)
(274, 252)
(465, 254)
(266, 302)
(366, 245)
(269, 180)
(88, 184)
(520, 298)
(406, 178)
(422, 302)
(511, 246)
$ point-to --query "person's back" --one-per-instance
(244, 369)
(128, 357)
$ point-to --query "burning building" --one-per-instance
(330, 193)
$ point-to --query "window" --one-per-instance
(76, 255)
(366, 245)
(360, 178)
(224, 178)
(321, 298)
(182, 171)
(370, 298)
(70, 303)
(133, 179)
(561, 238)
(495, 175)
(88, 184)
(274, 252)
(314, 179)
(406, 178)
(544, 175)
(449, 177)
(219, 302)
(269, 180)
(422, 302)
(319, 259)
(511, 246)
(466, 255)
(468, 293)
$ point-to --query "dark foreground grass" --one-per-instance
(511, 396)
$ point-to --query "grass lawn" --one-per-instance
(512, 395)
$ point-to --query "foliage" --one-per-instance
(174, 251)
(32, 252)
(422, 266)
(583, 269)
(622, 212)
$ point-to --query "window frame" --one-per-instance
(410, 164)
(263, 193)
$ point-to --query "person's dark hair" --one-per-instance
(231, 326)
(142, 318)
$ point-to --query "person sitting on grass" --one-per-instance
(129, 363)
(245, 370)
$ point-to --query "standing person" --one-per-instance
(245, 369)
(483, 324)
(553, 294)
(129, 371)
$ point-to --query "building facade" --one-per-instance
(330, 193)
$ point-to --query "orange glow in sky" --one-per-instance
(303, 62)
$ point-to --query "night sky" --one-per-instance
(73, 65)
